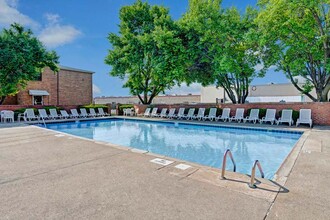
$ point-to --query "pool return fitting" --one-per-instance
(253, 172)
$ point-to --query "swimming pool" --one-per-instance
(200, 144)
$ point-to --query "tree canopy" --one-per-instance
(147, 52)
(296, 34)
(223, 47)
(22, 58)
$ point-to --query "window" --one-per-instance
(38, 100)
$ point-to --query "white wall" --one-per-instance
(209, 94)
(259, 93)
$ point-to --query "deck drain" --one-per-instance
(182, 166)
(161, 161)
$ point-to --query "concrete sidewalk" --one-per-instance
(44, 175)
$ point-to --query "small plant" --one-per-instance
(219, 112)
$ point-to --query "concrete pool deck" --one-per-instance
(46, 175)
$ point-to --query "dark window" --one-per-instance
(37, 100)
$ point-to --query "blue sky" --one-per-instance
(77, 30)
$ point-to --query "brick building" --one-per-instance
(69, 86)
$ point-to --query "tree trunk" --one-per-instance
(2, 99)
(145, 98)
(140, 98)
(294, 83)
(324, 94)
(230, 94)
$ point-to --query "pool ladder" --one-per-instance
(253, 172)
(224, 162)
(42, 121)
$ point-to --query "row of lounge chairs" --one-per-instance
(286, 115)
(29, 114)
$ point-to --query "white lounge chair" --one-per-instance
(200, 114)
(43, 114)
(171, 113)
(225, 115)
(286, 117)
(29, 115)
(128, 112)
(180, 114)
(305, 117)
(154, 112)
(102, 113)
(53, 114)
(212, 114)
(254, 116)
(83, 113)
(190, 114)
(269, 117)
(2, 114)
(92, 112)
(7, 116)
(74, 113)
(239, 115)
(162, 113)
(147, 112)
(65, 114)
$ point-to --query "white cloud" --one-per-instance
(55, 34)
(58, 35)
(96, 90)
(194, 88)
(9, 14)
(52, 18)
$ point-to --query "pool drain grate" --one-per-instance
(161, 161)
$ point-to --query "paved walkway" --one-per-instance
(44, 175)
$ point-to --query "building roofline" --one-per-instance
(272, 84)
(109, 97)
(75, 69)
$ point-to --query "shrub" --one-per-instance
(219, 111)
(94, 106)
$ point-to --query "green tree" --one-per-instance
(22, 58)
(223, 47)
(147, 50)
(296, 34)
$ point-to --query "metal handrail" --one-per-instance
(253, 173)
(224, 162)
(42, 120)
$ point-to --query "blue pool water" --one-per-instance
(195, 143)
